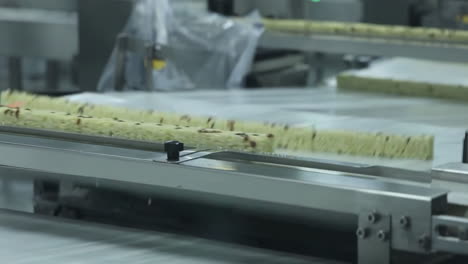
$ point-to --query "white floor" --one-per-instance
(25, 239)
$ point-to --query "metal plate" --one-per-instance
(421, 71)
(29, 239)
(366, 46)
(372, 248)
(226, 183)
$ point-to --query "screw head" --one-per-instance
(382, 235)
(373, 217)
(424, 242)
(362, 233)
(404, 222)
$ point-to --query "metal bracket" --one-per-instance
(15, 78)
(450, 234)
(187, 155)
(374, 238)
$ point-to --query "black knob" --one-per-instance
(465, 149)
(173, 149)
(363, 62)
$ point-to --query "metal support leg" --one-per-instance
(320, 68)
(374, 238)
(15, 81)
(465, 149)
(149, 55)
(450, 234)
(52, 75)
(121, 57)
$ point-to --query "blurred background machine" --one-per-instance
(39, 44)
(75, 42)
(53, 41)
(338, 10)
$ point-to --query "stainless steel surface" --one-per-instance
(16, 194)
(253, 186)
(29, 239)
(453, 172)
(366, 46)
(446, 242)
(77, 159)
(38, 33)
(454, 177)
(372, 247)
(103, 141)
(345, 167)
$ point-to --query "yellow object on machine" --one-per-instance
(159, 64)
(273, 136)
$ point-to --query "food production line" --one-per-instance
(350, 212)
(275, 208)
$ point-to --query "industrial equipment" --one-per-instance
(255, 208)
(45, 31)
(90, 40)
(373, 214)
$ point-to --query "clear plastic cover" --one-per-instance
(204, 50)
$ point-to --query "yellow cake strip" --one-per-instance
(374, 144)
(286, 137)
(154, 132)
(308, 27)
(402, 87)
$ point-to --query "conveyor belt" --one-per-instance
(362, 45)
(419, 71)
(326, 109)
(29, 239)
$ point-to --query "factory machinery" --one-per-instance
(351, 213)
(73, 31)
(347, 212)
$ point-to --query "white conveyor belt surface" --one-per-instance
(420, 71)
(324, 108)
(28, 239)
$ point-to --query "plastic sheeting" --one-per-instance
(206, 50)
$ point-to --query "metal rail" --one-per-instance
(233, 183)
(366, 46)
(450, 234)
